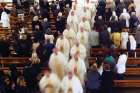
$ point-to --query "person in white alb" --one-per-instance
(78, 66)
(79, 49)
(5, 20)
(49, 83)
(72, 21)
(57, 63)
(63, 45)
(71, 84)
(121, 65)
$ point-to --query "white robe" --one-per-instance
(70, 35)
(133, 44)
(57, 64)
(5, 20)
(64, 46)
(87, 14)
(85, 25)
(124, 40)
(121, 64)
(81, 50)
(126, 16)
(73, 84)
(80, 66)
(82, 37)
(52, 80)
(90, 5)
(72, 21)
(66, 33)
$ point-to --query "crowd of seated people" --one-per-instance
(64, 53)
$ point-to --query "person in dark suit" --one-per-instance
(46, 25)
(69, 2)
(134, 22)
(122, 24)
(104, 38)
(39, 35)
(45, 8)
(93, 80)
(47, 51)
(107, 80)
(2, 86)
(35, 23)
(60, 23)
(4, 47)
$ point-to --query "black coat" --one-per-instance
(104, 38)
(134, 21)
(107, 82)
(60, 25)
(47, 51)
(4, 49)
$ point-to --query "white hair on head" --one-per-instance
(35, 18)
(109, 29)
(113, 13)
(60, 14)
(99, 17)
(67, 5)
(45, 19)
(133, 13)
(124, 10)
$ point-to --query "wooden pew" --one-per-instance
(127, 83)
(130, 61)
(132, 72)
(4, 61)
(102, 51)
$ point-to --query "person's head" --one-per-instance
(72, 13)
(100, 17)
(61, 37)
(35, 18)
(94, 67)
(68, 27)
(76, 56)
(70, 75)
(77, 43)
(37, 27)
(47, 72)
(113, 13)
(81, 29)
(55, 51)
(133, 13)
(60, 14)
(45, 20)
(124, 10)
(84, 19)
(67, 6)
(125, 29)
(106, 66)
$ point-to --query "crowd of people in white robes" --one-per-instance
(68, 62)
